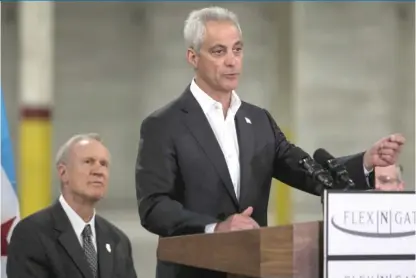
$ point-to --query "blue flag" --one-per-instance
(10, 213)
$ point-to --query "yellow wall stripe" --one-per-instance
(283, 197)
(34, 165)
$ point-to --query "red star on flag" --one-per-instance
(5, 228)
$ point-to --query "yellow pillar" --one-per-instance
(36, 95)
(283, 197)
(34, 161)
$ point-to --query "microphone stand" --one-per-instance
(318, 174)
(340, 175)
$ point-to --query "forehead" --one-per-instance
(221, 32)
(90, 147)
(389, 171)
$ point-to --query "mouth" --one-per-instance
(97, 183)
(231, 75)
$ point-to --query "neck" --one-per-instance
(82, 207)
(221, 96)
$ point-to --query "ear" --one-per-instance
(62, 172)
(192, 57)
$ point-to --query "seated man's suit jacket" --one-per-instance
(44, 245)
(182, 179)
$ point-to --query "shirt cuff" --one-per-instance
(366, 172)
(209, 229)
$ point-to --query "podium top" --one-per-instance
(283, 251)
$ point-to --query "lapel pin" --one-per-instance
(247, 120)
(108, 247)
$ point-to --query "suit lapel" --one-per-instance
(246, 147)
(105, 246)
(68, 239)
(199, 127)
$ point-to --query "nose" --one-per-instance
(98, 173)
(230, 60)
(98, 170)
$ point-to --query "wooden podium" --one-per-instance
(274, 252)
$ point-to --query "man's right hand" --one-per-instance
(239, 221)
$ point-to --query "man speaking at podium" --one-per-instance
(206, 160)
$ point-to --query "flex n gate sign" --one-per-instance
(376, 223)
(369, 234)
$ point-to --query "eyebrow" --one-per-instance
(386, 177)
(239, 43)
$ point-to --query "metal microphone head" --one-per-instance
(322, 156)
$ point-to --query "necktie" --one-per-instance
(89, 249)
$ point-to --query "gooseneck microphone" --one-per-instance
(318, 173)
(338, 170)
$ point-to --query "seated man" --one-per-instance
(67, 239)
(389, 178)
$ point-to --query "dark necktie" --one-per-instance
(89, 249)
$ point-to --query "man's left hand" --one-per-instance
(384, 152)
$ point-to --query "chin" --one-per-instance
(95, 196)
(229, 86)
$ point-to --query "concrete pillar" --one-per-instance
(36, 99)
(403, 99)
(345, 75)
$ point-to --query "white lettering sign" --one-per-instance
(372, 269)
(370, 234)
(371, 223)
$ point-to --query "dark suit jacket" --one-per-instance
(183, 182)
(44, 245)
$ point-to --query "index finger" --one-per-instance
(398, 138)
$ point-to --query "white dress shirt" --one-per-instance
(78, 223)
(225, 133)
(224, 129)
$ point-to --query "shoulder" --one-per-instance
(251, 108)
(165, 114)
(40, 222)
(259, 114)
(41, 218)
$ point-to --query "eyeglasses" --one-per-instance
(386, 180)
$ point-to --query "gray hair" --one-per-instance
(194, 29)
(62, 154)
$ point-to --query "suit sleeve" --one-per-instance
(287, 168)
(157, 176)
(26, 258)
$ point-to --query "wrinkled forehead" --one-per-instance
(389, 171)
(90, 148)
(221, 32)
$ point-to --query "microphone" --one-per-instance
(338, 170)
(318, 173)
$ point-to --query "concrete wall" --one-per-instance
(353, 66)
(340, 75)
(349, 66)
